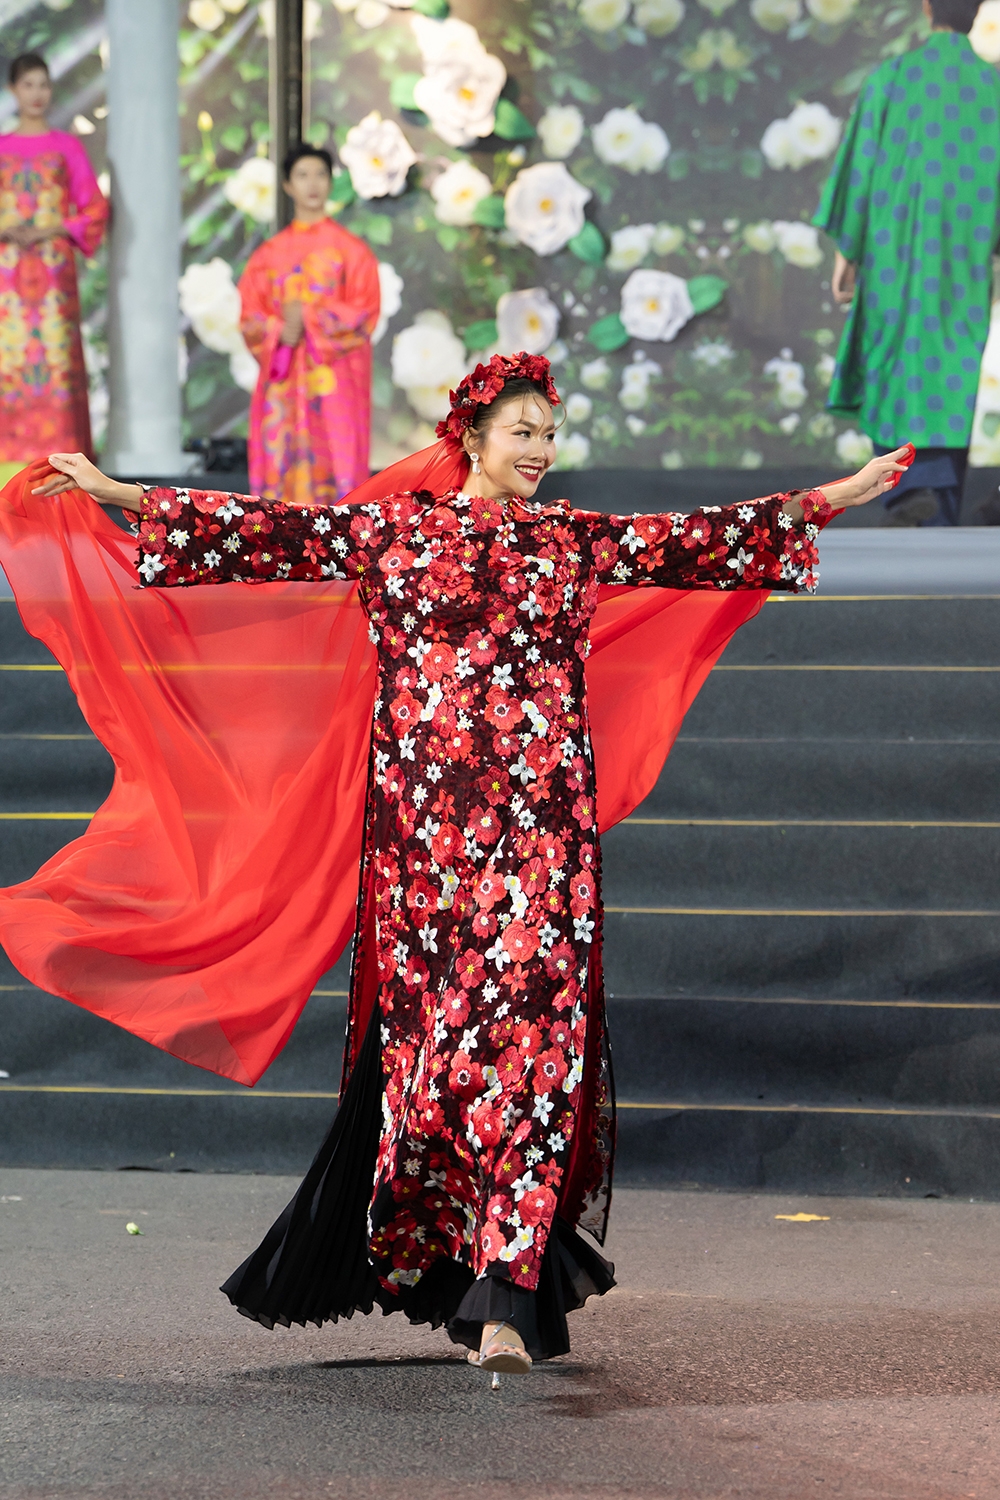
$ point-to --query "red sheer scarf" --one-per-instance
(219, 879)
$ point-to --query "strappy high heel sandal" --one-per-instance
(498, 1356)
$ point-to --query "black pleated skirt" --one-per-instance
(312, 1266)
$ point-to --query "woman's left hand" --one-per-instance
(76, 472)
(874, 479)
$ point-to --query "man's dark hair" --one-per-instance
(299, 153)
(28, 62)
(957, 15)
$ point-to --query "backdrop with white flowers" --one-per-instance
(625, 185)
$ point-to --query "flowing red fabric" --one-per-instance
(219, 879)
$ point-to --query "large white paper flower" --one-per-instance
(560, 130)
(579, 408)
(244, 368)
(210, 298)
(378, 156)
(776, 15)
(527, 320)
(798, 242)
(457, 191)
(630, 246)
(831, 12)
(544, 207)
(603, 15)
(461, 83)
(624, 139)
(761, 237)
(658, 17)
(854, 448)
(655, 305)
(390, 285)
(573, 451)
(809, 133)
(985, 33)
(252, 188)
(428, 361)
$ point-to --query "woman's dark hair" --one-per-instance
(957, 15)
(518, 389)
(299, 153)
(28, 62)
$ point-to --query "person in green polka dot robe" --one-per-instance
(913, 203)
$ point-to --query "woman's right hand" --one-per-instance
(76, 472)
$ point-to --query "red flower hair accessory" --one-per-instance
(484, 385)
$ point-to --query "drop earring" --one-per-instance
(475, 463)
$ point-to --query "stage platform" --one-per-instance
(742, 1354)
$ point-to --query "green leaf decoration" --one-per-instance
(511, 125)
(489, 212)
(342, 193)
(608, 334)
(706, 292)
(588, 245)
(436, 9)
(480, 335)
(401, 90)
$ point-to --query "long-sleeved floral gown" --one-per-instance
(479, 921)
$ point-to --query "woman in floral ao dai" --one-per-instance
(479, 924)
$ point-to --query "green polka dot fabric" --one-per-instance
(914, 201)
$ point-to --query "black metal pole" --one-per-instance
(287, 84)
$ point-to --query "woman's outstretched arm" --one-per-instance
(76, 472)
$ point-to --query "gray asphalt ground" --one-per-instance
(742, 1356)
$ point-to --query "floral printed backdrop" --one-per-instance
(624, 184)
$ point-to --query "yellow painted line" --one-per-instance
(805, 823)
(45, 817)
(337, 994)
(672, 1106)
(30, 667)
(784, 911)
(48, 736)
(799, 667)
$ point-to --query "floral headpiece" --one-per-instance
(485, 384)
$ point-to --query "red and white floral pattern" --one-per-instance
(482, 856)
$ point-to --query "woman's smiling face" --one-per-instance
(516, 447)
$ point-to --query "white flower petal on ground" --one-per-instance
(810, 133)
(527, 320)
(244, 368)
(378, 156)
(560, 130)
(776, 15)
(655, 305)
(985, 33)
(390, 298)
(461, 83)
(457, 191)
(207, 15)
(831, 12)
(209, 297)
(658, 17)
(578, 407)
(573, 452)
(798, 242)
(253, 187)
(603, 15)
(854, 448)
(595, 374)
(544, 207)
(428, 361)
(630, 246)
(667, 238)
(624, 139)
(761, 237)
